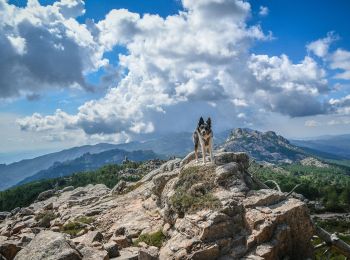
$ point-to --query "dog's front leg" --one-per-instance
(211, 151)
(203, 153)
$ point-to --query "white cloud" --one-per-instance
(45, 47)
(340, 59)
(177, 67)
(320, 47)
(288, 88)
(341, 105)
(311, 123)
(263, 11)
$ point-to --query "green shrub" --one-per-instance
(72, 228)
(85, 220)
(152, 239)
(186, 198)
(44, 218)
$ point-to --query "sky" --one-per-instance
(76, 72)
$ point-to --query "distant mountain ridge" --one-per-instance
(13, 173)
(338, 145)
(88, 162)
(266, 146)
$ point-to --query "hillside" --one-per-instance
(181, 210)
(15, 172)
(267, 146)
(88, 162)
(338, 145)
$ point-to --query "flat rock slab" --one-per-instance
(50, 246)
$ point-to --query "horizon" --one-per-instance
(80, 73)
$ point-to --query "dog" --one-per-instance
(203, 136)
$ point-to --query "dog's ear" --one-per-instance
(209, 121)
(201, 121)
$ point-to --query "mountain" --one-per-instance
(263, 146)
(218, 211)
(338, 145)
(10, 174)
(88, 162)
(173, 144)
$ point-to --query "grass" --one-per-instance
(152, 239)
(74, 227)
(85, 220)
(44, 218)
(193, 190)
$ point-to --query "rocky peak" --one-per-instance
(262, 146)
(180, 210)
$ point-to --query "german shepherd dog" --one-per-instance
(203, 135)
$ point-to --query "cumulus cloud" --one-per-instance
(263, 11)
(320, 47)
(341, 105)
(288, 88)
(340, 59)
(44, 47)
(188, 64)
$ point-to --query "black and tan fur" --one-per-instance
(203, 136)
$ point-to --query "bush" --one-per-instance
(72, 228)
(44, 218)
(152, 239)
(85, 220)
(193, 190)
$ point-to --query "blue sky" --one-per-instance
(269, 65)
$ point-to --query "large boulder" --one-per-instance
(50, 246)
(9, 248)
(45, 195)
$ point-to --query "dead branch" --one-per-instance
(276, 184)
(289, 193)
(333, 241)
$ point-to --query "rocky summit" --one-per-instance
(262, 146)
(181, 210)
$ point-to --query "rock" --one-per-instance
(68, 188)
(48, 206)
(9, 249)
(263, 197)
(119, 231)
(119, 187)
(231, 221)
(48, 245)
(26, 211)
(45, 195)
(121, 241)
(310, 161)
(112, 249)
(15, 211)
(90, 253)
(4, 215)
(211, 252)
(55, 229)
(129, 253)
(150, 253)
(89, 238)
(18, 227)
(26, 238)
